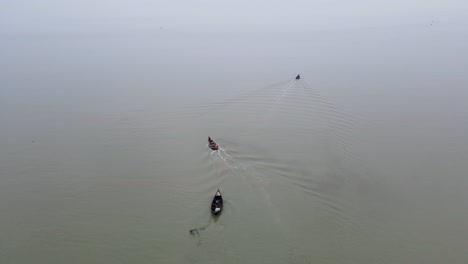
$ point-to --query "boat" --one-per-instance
(217, 203)
(212, 144)
(298, 77)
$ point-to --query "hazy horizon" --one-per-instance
(106, 106)
(90, 17)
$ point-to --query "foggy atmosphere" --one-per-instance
(233, 132)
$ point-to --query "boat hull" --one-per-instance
(217, 204)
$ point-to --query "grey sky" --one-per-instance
(54, 16)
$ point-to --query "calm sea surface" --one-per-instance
(104, 157)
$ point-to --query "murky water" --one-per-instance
(104, 155)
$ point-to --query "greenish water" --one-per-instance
(103, 155)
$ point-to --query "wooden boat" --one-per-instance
(212, 144)
(217, 203)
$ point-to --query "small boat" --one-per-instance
(217, 203)
(212, 144)
(298, 77)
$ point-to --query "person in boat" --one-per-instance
(217, 206)
(298, 77)
(212, 144)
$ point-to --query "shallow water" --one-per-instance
(104, 155)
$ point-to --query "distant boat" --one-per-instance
(212, 144)
(298, 77)
(217, 203)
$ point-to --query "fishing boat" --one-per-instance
(212, 144)
(217, 203)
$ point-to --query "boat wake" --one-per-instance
(223, 155)
(283, 139)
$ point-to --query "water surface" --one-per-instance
(104, 160)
